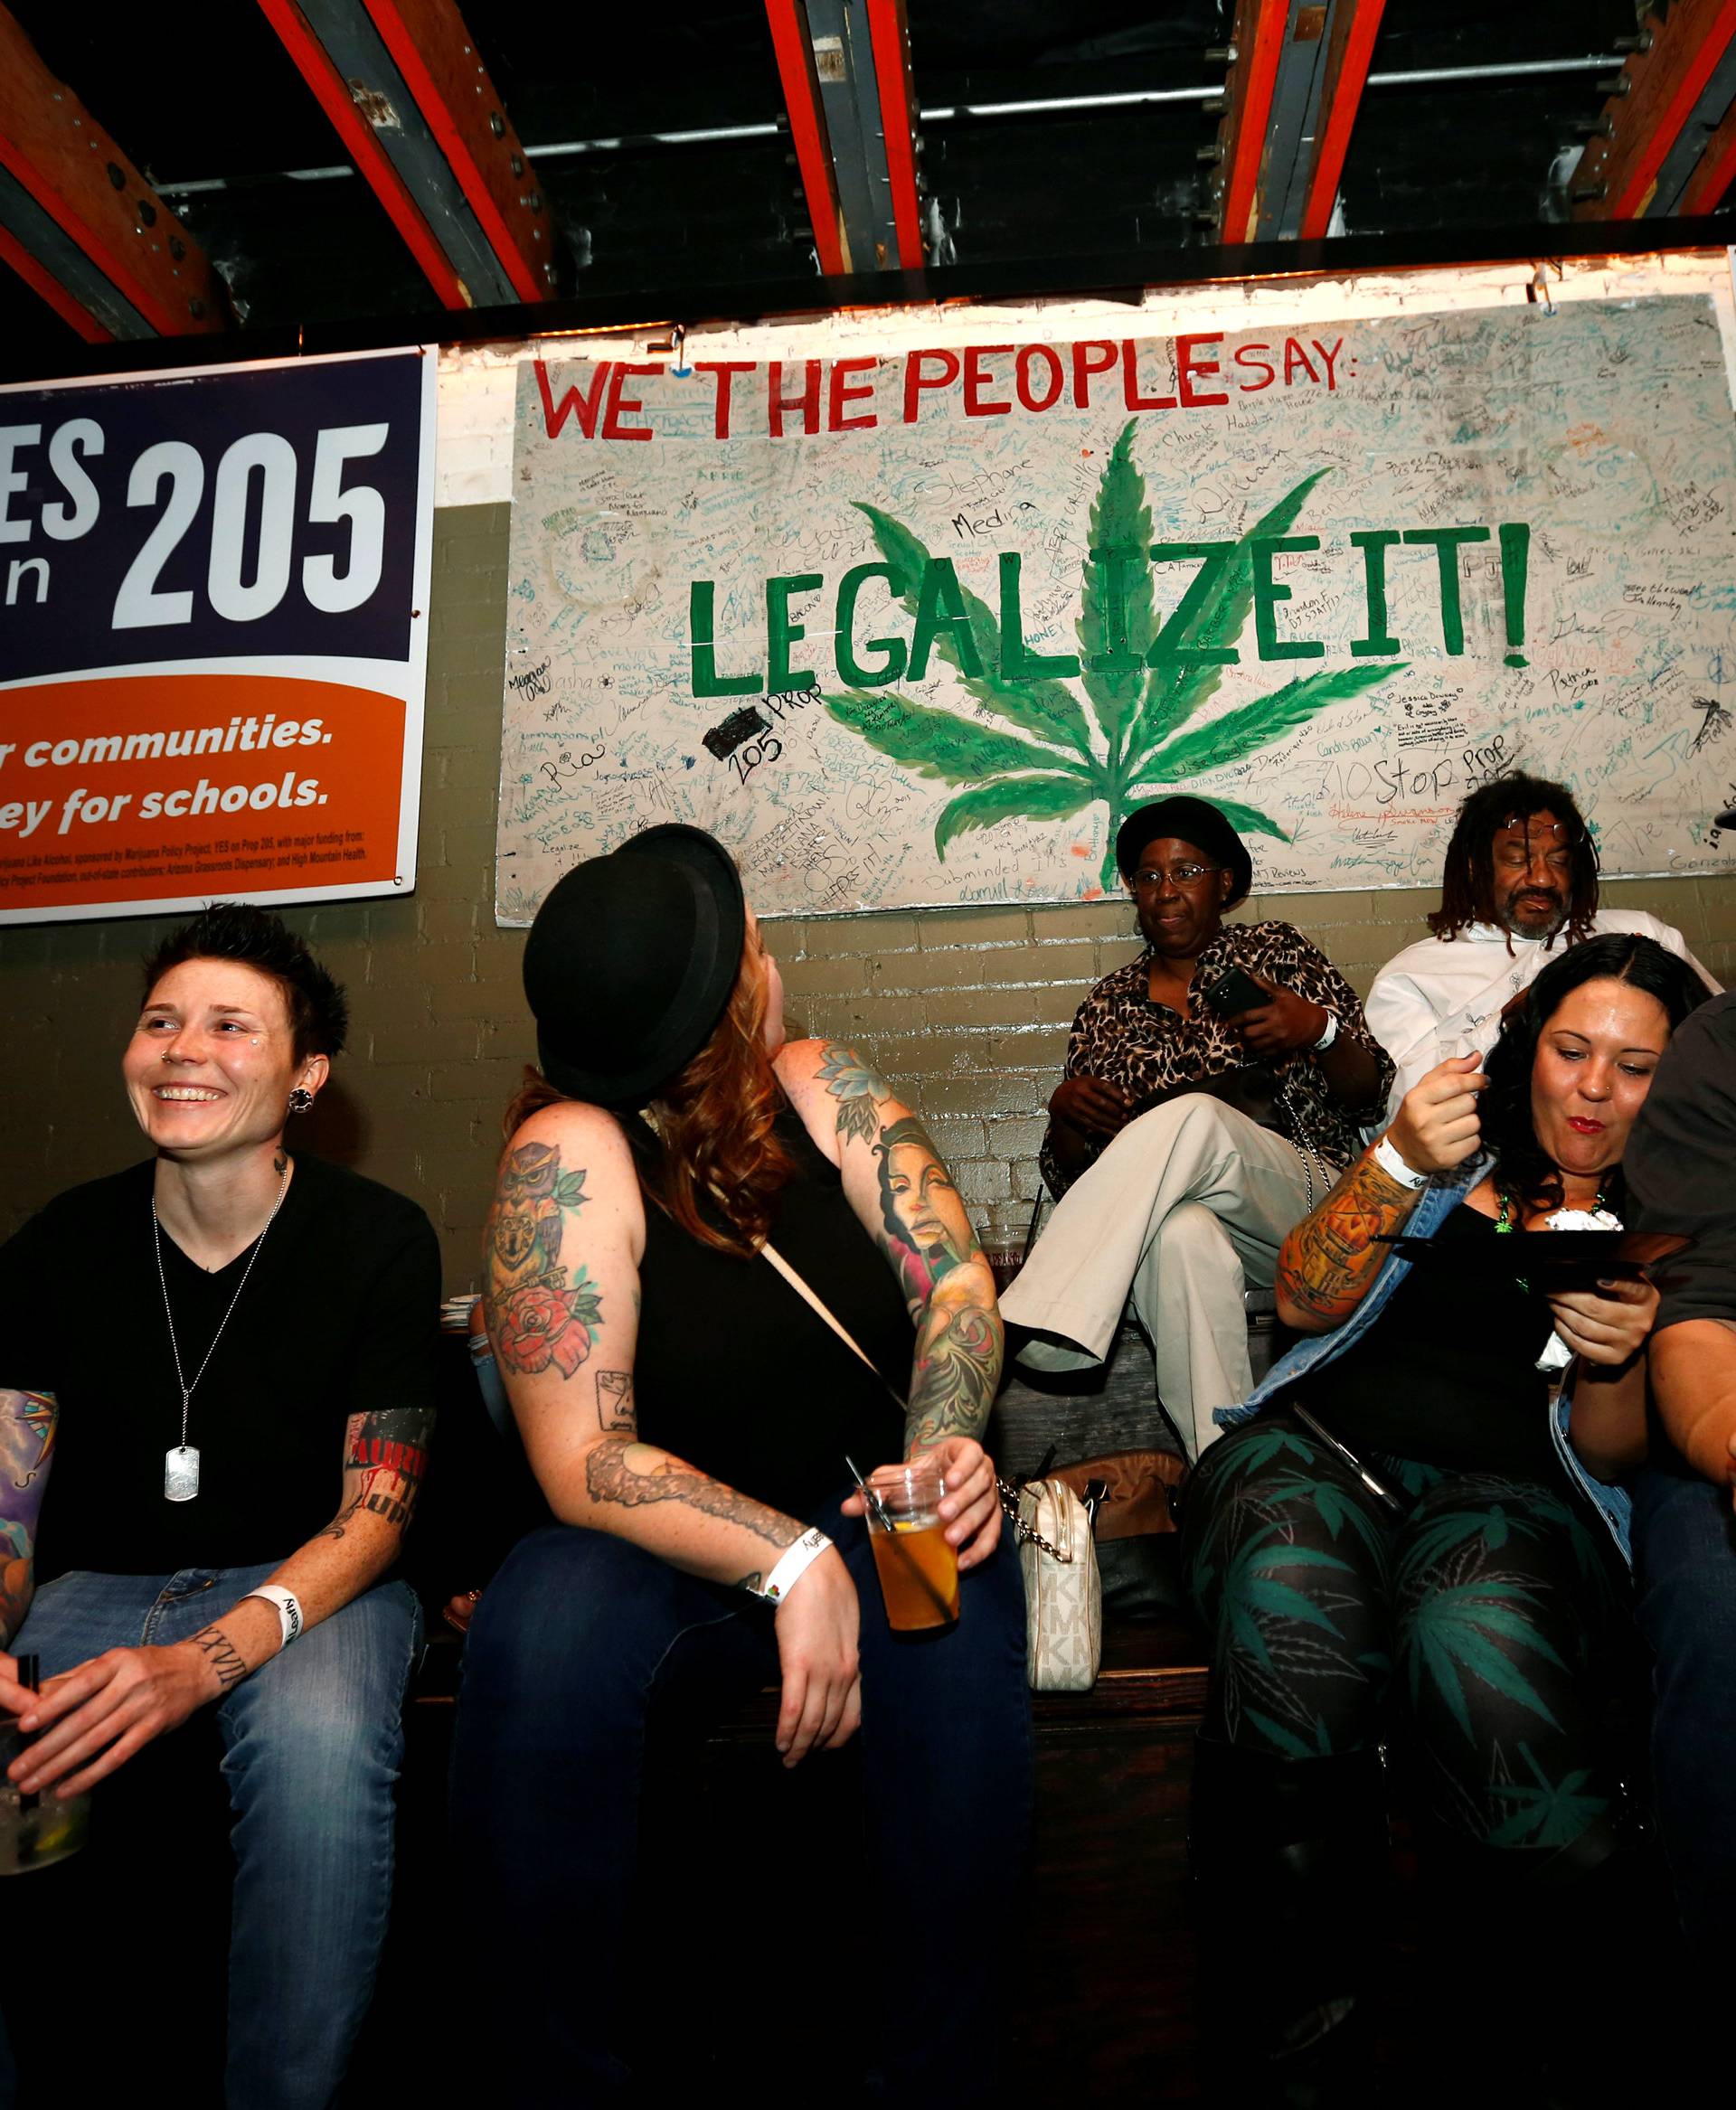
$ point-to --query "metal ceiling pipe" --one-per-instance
(944, 114)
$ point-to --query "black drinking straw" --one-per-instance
(871, 1495)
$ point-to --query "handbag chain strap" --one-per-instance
(1311, 1157)
(1028, 1534)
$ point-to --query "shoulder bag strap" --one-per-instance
(816, 1302)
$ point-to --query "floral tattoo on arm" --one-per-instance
(540, 1314)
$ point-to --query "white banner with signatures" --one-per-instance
(922, 629)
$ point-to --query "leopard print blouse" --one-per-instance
(1121, 1035)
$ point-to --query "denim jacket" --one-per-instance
(1444, 1194)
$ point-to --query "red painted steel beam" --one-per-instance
(1615, 176)
(442, 69)
(1355, 29)
(56, 151)
(889, 34)
(332, 95)
(793, 48)
(42, 281)
(1259, 38)
(1713, 170)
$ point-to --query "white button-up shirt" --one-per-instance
(1444, 996)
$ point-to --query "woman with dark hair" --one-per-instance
(1411, 1529)
(1213, 1088)
(688, 1404)
(216, 1352)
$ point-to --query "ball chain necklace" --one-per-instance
(180, 1463)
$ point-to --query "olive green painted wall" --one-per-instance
(966, 1011)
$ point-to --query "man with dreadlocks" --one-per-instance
(1521, 873)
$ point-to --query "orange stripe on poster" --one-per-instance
(149, 786)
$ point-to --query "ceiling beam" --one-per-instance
(890, 29)
(1120, 275)
(1710, 176)
(407, 91)
(1350, 49)
(1664, 95)
(79, 223)
(1256, 48)
(1298, 69)
(845, 71)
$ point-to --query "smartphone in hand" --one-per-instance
(1233, 992)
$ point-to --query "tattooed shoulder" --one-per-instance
(542, 1314)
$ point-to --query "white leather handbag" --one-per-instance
(1063, 1592)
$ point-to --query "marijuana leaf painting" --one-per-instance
(1144, 683)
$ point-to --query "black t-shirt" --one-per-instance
(1447, 1374)
(1680, 1165)
(735, 1373)
(340, 1317)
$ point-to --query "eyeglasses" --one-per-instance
(1180, 875)
(1557, 843)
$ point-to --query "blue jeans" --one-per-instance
(580, 1643)
(312, 1743)
(1685, 1558)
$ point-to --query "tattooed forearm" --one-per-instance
(338, 1525)
(1330, 1259)
(220, 1653)
(27, 1424)
(385, 1462)
(958, 1368)
(633, 1474)
(924, 1232)
(540, 1313)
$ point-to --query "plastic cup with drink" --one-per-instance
(35, 1829)
(918, 1568)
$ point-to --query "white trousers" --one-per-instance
(1186, 1208)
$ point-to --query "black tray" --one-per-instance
(1547, 1260)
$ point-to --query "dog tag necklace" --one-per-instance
(180, 1463)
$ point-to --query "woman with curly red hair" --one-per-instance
(688, 1413)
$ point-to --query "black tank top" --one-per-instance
(737, 1374)
(1446, 1374)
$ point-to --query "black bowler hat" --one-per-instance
(1187, 820)
(630, 962)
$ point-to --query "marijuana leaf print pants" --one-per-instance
(1479, 1630)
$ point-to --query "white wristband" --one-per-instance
(288, 1610)
(1388, 1159)
(1330, 1034)
(793, 1563)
